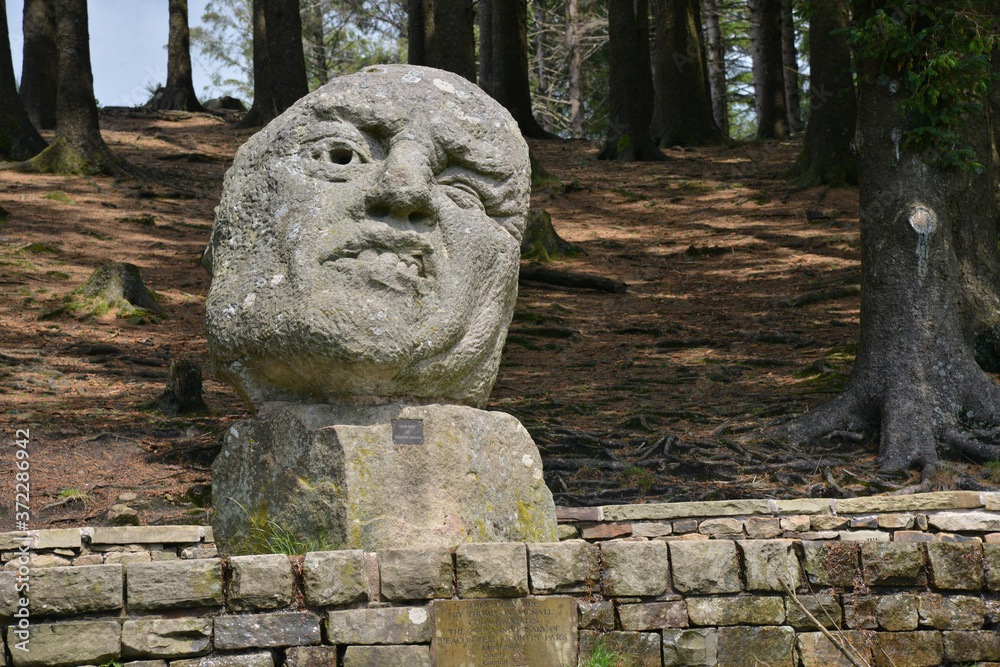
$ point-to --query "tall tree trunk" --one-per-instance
(541, 20)
(319, 72)
(509, 76)
(179, 92)
(768, 79)
(19, 140)
(486, 46)
(415, 48)
(574, 48)
(284, 52)
(630, 86)
(716, 66)
(789, 57)
(682, 108)
(449, 40)
(826, 157)
(263, 109)
(40, 64)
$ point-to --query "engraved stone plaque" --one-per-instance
(513, 632)
(408, 431)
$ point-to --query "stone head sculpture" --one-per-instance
(367, 244)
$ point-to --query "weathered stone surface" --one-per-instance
(696, 646)
(860, 611)
(259, 659)
(260, 582)
(38, 561)
(768, 563)
(580, 513)
(684, 525)
(643, 648)
(572, 566)
(825, 608)
(15, 539)
(390, 625)
(634, 568)
(652, 529)
(491, 570)
(88, 559)
(956, 566)
(721, 527)
(653, 615)
(387, 656)
(941, 500)
(750, 646)
(815, 650)
(803, 506)
(209, 551)
(891, 563)
(991, 555)
(864, 536)
(146, 535)
(299, 628)
(912, 536)
(660, 511)
(71, 643)
(607, 531)
(330, 469)
(145, 663)
(952, 612)
(762, 527)
(311, 656)
(166, 638)
(598, 615)
(124, 558)
(827, 522)
(58, 591)
(864, 521)
(703, 568)
(972, 646)
(415, 573)
(738, 610)
(990, 500)
(895, 521)
(794, 524)
(830, 563)
(333, 578)
(565, 531)
(955, 537)
(172, 584)
(56, 538)
(913, 649)
(897, 612)
(982, 522)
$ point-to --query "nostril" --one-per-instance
(418, 218)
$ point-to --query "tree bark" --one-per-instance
(447, 35)
(541, 20)
(789, 58)
(415, 50)
(179, 92)
(40, 64)
(285, 54)
(630, 85)
(716, 66)
(263, 109)
(682, 108)
(574, 47)
(826, 157)
(768, 79)
(19, 140)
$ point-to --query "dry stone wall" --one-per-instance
(715, 595)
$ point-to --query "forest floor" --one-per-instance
(741, 310)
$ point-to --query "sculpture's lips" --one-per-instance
(405, 252)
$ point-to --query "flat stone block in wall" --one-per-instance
(737, 610)
(598, 615)
(653, 615)
(634, 568)
(892, 563)
(830, 563)
(912, 536)
(8, 595)
(991, 555)
(863, 536)
(572, 566)
(768, 563)
(956, 566)
(897, 613)
(126, 557)
(972, 646)
(260, 582)
(825, 608)
(259, 659)
(388, 625)
(803, 506)
(643, 648)
(57, 538)
(752, 646)
(147, 535)
(58, 591)
(952, 612)
(387, 656)
(939, 500)
(860, 612)
(955, 522)
(652, 529)
(166, 637)
(298, 628)
(827, 522)
(762, 527)
(913, 649)
(607, 531)
(815, 650)
(689, 648)
(72, 643)
(14, 539)
(311, 656)
(896, 521)
(172, 584)
(145, 663)
(415, 573)
(794, 524)
(334, 577)
(492, 570)
(721, 527)
(704, 568)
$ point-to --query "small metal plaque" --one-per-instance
(516, 632)
(408, 431)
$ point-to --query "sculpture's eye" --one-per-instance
(341, 155)
(464, 194)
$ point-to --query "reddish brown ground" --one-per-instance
(659, 393)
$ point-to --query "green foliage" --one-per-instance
(941, 53)
(266, 536)
(606, 656)
(59, 196)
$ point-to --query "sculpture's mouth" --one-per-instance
(385, 253)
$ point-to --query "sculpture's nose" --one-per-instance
(402, 187)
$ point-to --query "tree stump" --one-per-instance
(183, 392)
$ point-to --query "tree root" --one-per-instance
(970, 445)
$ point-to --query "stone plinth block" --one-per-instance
(897, 612)
(892, 563)
(332, 578)
(690, 648)
(598, 615)
(171, 584)
(815, 650)
(389, 625)
(825, 608)
(387, 656)
(491, 570)
(259, 659)
(260, 582)
(642, 648)
(64, 644)
(971, 646)
(335, 471)
(768, 563)
(704, 568)
(952, 612)
(654, 615)
(991, 554)
(635, 568)
(749, 646)
(311, 656)
(299, 628)
(913, 649)
(166, 638)
(738, 610)
(830, 563)
(57, 591)
(956, 566)
(415, 573)
(572, 566)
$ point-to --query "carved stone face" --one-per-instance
(367, 243)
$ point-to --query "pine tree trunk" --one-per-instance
(179, 92)
(284, 51)
(630, 84)
(789, 57)
(716, 66)
(575, 66)
(319, 70)
(449, 40)
(263, 109)
(682, 109)
(40, 67)
(415, 50)
(19, 140)
(768, 79)
(541, 20)
(826, 157)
